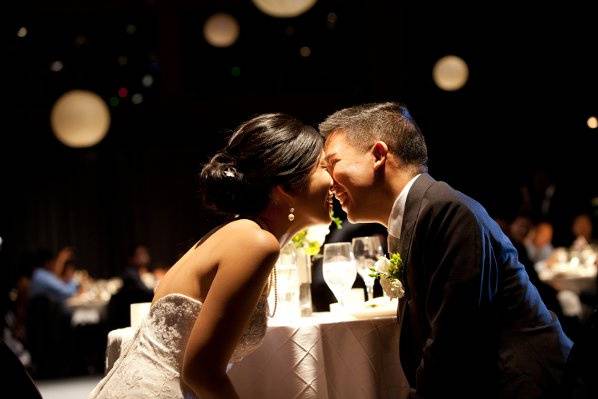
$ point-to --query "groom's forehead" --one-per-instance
(334, 141)
(330, 151)
(337, 144)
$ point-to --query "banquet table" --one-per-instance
(92, 312)
(325, 356)
(564, 277)
(91, 306)
(575, 284)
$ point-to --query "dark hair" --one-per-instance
(390, 122)
(41, 256)
(266, 151)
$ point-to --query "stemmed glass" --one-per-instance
(366, 251)
(339, 269)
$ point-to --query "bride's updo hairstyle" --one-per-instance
(266, 151)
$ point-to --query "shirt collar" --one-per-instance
(395, 220)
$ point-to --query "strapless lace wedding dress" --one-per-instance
(150, 365)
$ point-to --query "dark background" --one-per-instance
(532, 86)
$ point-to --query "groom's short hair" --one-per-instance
(389, 122)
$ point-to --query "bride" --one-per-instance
(211, 307)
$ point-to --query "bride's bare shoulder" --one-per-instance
(247, 233)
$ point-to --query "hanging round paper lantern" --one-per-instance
(284, 8)
(450, 73)
(80, 118)
(221, 30)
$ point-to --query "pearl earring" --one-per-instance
(291, 215)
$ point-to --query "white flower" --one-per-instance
(387, 272)
(382, 265)
(392, 287)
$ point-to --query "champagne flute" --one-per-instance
(366, 251)
(339, 270)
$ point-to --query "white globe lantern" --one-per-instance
(284, 8)
(221, 30)
(80, 118)
(450, 73)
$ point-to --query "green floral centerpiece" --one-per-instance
(310, 240)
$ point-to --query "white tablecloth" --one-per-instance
(117, 339)
(324, 357)
(87, 313)
(565, 277)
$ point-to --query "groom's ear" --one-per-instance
(379, 153)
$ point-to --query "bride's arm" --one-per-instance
(243, 270)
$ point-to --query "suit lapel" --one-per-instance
(393, 244)
(411, 214)
(403, 245)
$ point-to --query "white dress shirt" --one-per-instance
(395, 220)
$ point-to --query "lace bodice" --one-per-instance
(150, 364)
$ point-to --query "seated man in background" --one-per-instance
(47, 277)
(539, 243)
(136, 288)
(582, 231)
(321, 294)
(50, 335)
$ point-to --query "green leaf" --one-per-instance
(337, 221)
(301, 242)
(313, 248)
(396, 260)
(396, 266)
(299, 238)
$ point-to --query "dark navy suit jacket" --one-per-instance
(472, 324)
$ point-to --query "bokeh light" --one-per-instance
(284, 8)
(450, 73)
(221, 30)
(80, 118)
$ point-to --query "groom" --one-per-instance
(471, 323)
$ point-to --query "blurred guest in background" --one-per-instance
(49, 331)
(139, 265)
(321, 294)
(582, 231)
(68, 271)
(136, 288)
(47, 277)
(539, 242)
(517, 231)
(557, 201)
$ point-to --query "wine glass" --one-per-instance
(339, 270)
(366, 251)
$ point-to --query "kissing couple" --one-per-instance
(471, 323)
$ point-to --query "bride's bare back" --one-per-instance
(227, 271)
(193, 273)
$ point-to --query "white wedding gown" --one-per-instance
(150, 366)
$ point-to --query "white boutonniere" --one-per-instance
(390, 272)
